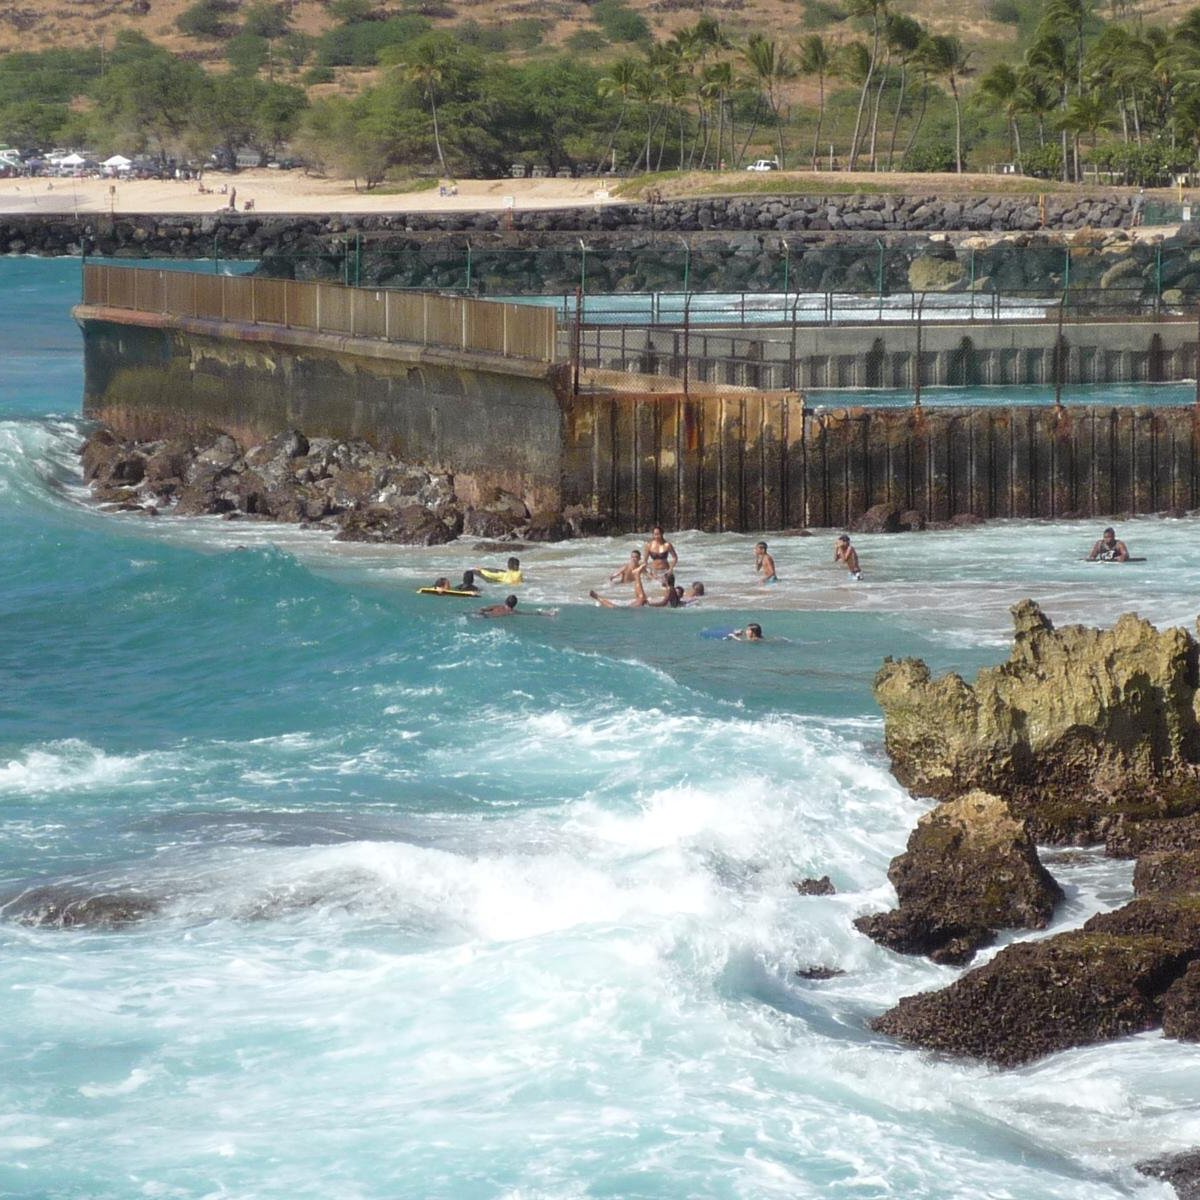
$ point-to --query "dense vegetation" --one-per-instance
(860, 84)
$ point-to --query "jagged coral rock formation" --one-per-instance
(1078, 727)
(970, 868)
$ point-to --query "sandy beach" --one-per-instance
(287, 192)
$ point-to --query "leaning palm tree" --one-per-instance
(426, 67)
(872, 12)
(769, 67)
(903, 35)
(816, 58)
(621, 81)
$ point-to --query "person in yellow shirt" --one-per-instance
(510, 575)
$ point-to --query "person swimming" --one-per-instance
(468, 583)
(1109, 548)
(672, 594)
(510, 574)
(507, 609)
(752, 633)
(764, 564)
(626, 572)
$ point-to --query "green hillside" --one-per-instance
(378, 90)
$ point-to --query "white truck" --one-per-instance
(764, 164)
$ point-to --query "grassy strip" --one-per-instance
(675, 185)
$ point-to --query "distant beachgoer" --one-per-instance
(694, 593)
(441, 585)
(233, 199)
(510, 574)
(626, 572)
(468, 583)
(1109, 549)
(847, 555)
(1137, 208)
(764, 564)
(660, 555)
(507, 609)
(752, 633)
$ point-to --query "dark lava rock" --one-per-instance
(66, 908)
(879, 518)
(1181, 1171)
(1173, 917)
(816, 887)
(1181, 1006)
(819, 972)
(1167, 871)
(1037, 998)
(411, 526)
(970, 868)
(547, 527)
(912, 521)
(1134, 837)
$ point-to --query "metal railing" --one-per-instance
(521, 331)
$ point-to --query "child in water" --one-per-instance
(845, 553)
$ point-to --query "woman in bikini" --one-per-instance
(660, 555)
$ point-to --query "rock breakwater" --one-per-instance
(358, 492)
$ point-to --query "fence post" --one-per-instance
(1058, 356)
(917, 365)
(575, 341)
(687, 332)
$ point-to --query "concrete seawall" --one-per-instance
(441, 382)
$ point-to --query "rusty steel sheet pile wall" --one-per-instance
(763, 461)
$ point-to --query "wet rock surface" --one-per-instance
(1036, 998)
(1082, 735)
(970, 869)
(66, 907)
(359, 492)
(1181, 1171)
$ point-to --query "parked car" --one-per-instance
(764, 164)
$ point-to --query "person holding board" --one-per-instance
(1109, 549)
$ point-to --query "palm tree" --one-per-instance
(904, 36)
(871, 11)
(1000, 89)
(426, 67)
(817, 59)
(947, 59)
(769, 67)
(1050, 58)
(620, 81)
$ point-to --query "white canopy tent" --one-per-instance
(72, 160)
(118, 162)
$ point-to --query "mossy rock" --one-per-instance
(935, 274)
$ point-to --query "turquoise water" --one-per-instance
(456, 908)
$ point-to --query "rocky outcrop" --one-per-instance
(1181, 1171)
(359, 492)
(66, 907)
(1078, 728)
(1082, 733)
(970, 869)
(1037, 998)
